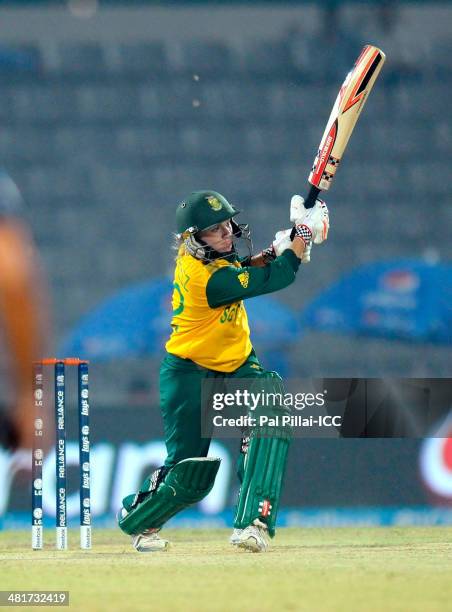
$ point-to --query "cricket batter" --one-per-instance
(210, 342)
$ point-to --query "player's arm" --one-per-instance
(22, 315)
(229, 284)
(256, 261)
(282, 241)
(281, 262)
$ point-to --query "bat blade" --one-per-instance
(344, 115)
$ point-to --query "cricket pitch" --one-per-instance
(363, 569)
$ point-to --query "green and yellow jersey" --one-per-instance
(210, 324)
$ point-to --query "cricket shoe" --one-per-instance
(234, 538)
(254, 537)
(149, 541)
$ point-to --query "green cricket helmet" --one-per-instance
(200, 211)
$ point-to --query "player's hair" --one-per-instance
(178, 246)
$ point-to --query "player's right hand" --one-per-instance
(316, 218)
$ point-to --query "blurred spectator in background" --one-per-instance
(24, 316)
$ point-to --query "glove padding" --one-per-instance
(316, 218)
(282, 242)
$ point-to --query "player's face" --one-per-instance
(219, 237)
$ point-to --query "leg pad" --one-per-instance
(187, 483)
(264, 468)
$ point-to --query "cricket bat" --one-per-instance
(344, 115)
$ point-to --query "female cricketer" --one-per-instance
(210, 343)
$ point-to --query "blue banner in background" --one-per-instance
(324, 482)
(401, 299)
(323, 476)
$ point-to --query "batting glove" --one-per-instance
(316, 217)
(280, 244)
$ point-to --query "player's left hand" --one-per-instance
(283, 241)
(316, 217)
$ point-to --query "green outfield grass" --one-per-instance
(366, 569)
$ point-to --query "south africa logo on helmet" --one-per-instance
(201, 210)
(214, 203)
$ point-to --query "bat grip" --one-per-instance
(311, 197)
(308, 203)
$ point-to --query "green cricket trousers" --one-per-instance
(181, 383)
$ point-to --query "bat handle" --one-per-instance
(312, 196)
(308, 203)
